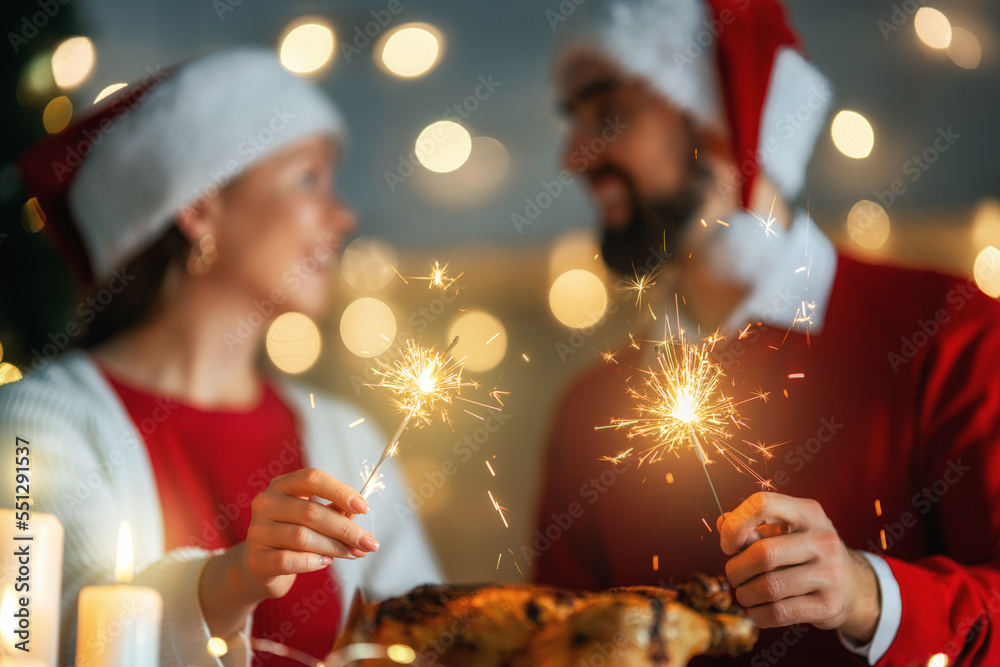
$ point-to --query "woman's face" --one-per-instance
(279, 229)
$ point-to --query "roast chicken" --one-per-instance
(522, 626)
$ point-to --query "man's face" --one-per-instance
(637, 153)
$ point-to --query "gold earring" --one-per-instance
(202, 256)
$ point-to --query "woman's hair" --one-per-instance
(142, 293)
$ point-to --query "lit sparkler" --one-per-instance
(681, 404)
(768, 224)
(639, 284)
(438, 276)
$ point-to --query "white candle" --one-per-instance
(119, 626)
(31, 574)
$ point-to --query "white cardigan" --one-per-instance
(90, 468)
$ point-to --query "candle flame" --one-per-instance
(124, 562)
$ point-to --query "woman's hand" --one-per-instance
(288, 534)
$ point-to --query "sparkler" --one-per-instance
(438, 276)
(422, 383)
(681, 404)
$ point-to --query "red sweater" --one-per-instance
(208, 467)
(900, 402)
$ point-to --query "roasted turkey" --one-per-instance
(522, 626)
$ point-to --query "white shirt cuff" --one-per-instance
(889, 618)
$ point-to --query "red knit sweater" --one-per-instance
(900, 402)
(209, 465)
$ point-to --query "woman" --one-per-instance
(201, 197)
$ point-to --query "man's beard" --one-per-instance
(656, 225)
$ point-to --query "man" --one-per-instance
(877, 420)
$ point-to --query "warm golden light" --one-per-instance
(576, 249)
(986, 223)
(369, 263)
(933, 28)
(57, 114)
(307, 47)
(868, 225)
(482, 340)
(965, 49)
(986, 271)
(367, 327)
(411, 50)
(578, 298)
(107, 90)
(399, 653)
(938, 660)
(124, 562)
(8, 605)
(293, 342)
(32, 216)
(443, 146)
(9, 373)
(217, 647)
(72, 61)
(852, 134)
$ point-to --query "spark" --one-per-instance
(609, 357)
(518, 568)
(374, 480)
(525, 357)
(670, 478)
(493, 339)
(770, 231)
(706, 524)
(878, 507)
(724, 224)
(491, 468)
(800, 269)
(656, 562)
(796, 376)
(639, 283)
(881, 535)
(312, 400)
(617, 458)
(745, 331)
(760, 394)
(356, 422)
(499, 508)
(703, 223)
(498, 560)
(497, 393)
(438, 277)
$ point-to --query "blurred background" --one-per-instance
(465, 227)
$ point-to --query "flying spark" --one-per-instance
(639, 283)
(438, 277)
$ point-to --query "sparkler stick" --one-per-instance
(420, 380)
(704, 466)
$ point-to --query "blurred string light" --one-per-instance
(369, 263)
(307, 45)
(986, 271)
(578, 298)
(852, 134)
(410, 50)
(868, 225)
(443, 146)
(72, 61)
(32, 216)
(107, 90)
(965, 49)
(36, 80)
(576, 249)
(293, 342)
(367, 327)
(933, 28)
(482, 340)
(57, 114)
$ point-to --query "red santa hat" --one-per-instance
(112, 182)
(734, 65)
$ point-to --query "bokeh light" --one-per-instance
(401, 654)
(72, 61)
(965, 49)
(369, 263)
(443, 146)
(933, 28)
(482, 340)
(986, 223)
(576, 249)
(57, 114)
(36, 80)
(367, 327)
(938, 660)
(307, 46)
(9, 373)
(107, 90)
(986, 271)
(32, 216)
(578, 298)
(868, 225)
(293, 342)
(217, 647)
(852, 134)
(410, 50)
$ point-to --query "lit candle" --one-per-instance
(119, 626)
(31, 572)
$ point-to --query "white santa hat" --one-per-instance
(734, 65)
(112, 183)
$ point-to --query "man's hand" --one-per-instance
(789, 566)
